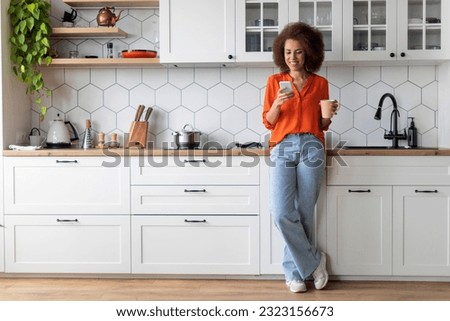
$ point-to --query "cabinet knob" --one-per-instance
(230, 57)
(402, 54)
(392, 55)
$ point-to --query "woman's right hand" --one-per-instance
(282, 97)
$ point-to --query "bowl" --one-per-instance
(139, 53)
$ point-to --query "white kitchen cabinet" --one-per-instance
(195, 245)
(195, 215)
(258, 22)
(422, 230)
(325, 15)
(396, 30)
(359, 230)
(415, 225)
(67, 243)
(2, 244)
(195, 199)
(197, 31)
(66, 185)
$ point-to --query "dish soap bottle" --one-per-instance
(412, 133)
(87, 140)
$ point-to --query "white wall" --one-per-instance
(444, 105)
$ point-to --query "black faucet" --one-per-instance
(393, 131)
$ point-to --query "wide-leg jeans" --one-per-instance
(296, 172)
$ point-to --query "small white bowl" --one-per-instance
(67, 24)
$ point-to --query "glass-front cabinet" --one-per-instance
(395, 30)
(423, 30)
(325, 15)
(258, 22)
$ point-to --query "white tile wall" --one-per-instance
(224, 103)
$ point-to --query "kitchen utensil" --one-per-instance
(138, 131)
(107, 18)
(59, 135)
(70, 16)
(139, 54)
(148, 113)
(187, 139)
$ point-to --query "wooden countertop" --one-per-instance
(72, 152)
(78, 152)
(389, 152)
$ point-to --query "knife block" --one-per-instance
(138, 134)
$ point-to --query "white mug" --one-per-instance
(36, 140)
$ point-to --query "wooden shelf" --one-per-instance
(104, 62)
(80, 32)
(113, 3)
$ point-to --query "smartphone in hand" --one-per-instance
(286, 86)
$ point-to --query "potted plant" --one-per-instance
(30, 45)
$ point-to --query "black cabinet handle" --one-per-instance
(194, 221)
(359, 190)
(66, 161)
(426, 191)
(392, 55)
(202, 190)
(195, 160)
(66, 221)
(230, 56)
(402, 54)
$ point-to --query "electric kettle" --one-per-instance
(59, 135)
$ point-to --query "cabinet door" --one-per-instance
(422, 230)
(67, 244)
(2, 245)
(258, 22)
(195, 245)
(62, 185)
(423, 29)
(371, 29)
(325, 15)
(359, 225)
(197, 31)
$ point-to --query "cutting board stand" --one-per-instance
(138, 134)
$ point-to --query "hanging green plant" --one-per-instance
(30, 44)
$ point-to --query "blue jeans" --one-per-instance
(296, 172)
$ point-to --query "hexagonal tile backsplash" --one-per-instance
(225, 103)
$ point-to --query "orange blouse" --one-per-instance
(300, 114)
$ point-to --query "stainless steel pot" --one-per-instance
(187, 139)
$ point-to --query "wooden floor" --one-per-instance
(36, 289)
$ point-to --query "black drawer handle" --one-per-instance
(195, 190)
(426, 191)
(359, 190)
(195, 160)
(66, 221)
(66, 161)
(194, 221)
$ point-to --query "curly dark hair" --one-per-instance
(309, 37)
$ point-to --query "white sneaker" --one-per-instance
(296, 286)
(320, 275)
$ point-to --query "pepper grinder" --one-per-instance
(101, 140)
(87, 140)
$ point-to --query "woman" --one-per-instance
(297, 152)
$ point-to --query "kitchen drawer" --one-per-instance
(63, 185)
(67, 244)
(388, 170)
(190, 170)
(207, 199)
(195, 245)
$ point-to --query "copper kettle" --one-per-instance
(107, 18)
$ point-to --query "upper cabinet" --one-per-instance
(258, 22)
(396, 30)
(197, 31)
(325, 15)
